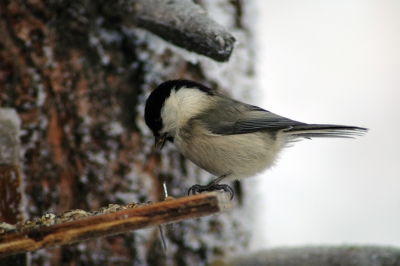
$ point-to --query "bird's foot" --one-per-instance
(195, 189)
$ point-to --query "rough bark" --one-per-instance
(78, 82)
(11, 194)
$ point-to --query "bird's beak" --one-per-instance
(160, 141)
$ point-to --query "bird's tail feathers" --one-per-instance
(325, 131)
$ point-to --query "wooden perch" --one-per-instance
(183, 23)
(115, 223)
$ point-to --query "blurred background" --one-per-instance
(331, 62)
(76, 75)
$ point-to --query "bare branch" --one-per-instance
(184, 24)
(319, 255)
(115, 223)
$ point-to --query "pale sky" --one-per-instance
(333, 62)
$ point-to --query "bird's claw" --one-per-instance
(195, 189)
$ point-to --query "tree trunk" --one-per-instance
(78, 74)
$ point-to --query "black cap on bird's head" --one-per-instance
(156, 100)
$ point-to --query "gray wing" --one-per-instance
(234, 117)
(248, 120)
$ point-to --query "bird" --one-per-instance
(227, 138)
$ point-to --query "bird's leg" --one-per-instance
(214, 185)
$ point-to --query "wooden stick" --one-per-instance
(115, 223)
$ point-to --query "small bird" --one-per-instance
(227, 138)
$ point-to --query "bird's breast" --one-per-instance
(241, 155)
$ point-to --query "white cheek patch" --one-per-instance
(169, 114)
(181, 106)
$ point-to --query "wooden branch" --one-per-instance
(318, 255)
(115, 223)
(183, 23)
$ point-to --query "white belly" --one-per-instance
(239, 156)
